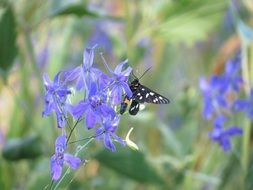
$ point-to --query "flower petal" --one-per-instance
(116, 94)
(225, 143)
(46, 80)
(127, 89)
(119, 67)
(73, 162)
(93, 89)
(118, 139)
(78, 110)
(208, 108)
(219, 121)
(88, 56)
(60, 144)
(240, 105)
(234, 130)
(56, 168)
(108, 143)
(91, 119)
(106, 111)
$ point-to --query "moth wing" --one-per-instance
(134, 108)
(144, 94)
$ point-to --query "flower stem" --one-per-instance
(247, 82)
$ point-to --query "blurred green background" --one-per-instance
(181, 39)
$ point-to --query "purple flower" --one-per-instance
(58, 159)
(106, 133)
(94, 106)
(213, 99)
(231, 80)
(221, 135)
(100, 36)
(43, 55)
(55, 98)
(119, 81)
(245, 105)
(82, 76)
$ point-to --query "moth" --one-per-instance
(141, 94)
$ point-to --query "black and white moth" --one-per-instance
(141, 94)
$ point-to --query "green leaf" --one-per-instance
(230, 174)
(78, 9)
(8, 49)
(187, 21)
(28, 147)
(130, 163)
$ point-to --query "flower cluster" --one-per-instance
(219, 97)
(102, 94)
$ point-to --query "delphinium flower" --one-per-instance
(245, 105)
(118, 83)
(97, 106)
(106, 133)
(231, 79)
(59, 157)
(55, 98)
(218, 103)
(222, 135)
(85, 74)
(100, 36)
(213, 99)
(94, 107)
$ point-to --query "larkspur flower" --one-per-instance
(245, 105)
(213, 99)
(106, 133)
(119, 81)
(55, 98)
(85, 74)
(100, 36)
(231, 80)
(94, 107)
(58, 159)
(222, 135)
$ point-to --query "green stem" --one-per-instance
(32, 57)
(246, 78)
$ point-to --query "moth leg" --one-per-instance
(124, 104)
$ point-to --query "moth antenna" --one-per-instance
(145, 72)
(134, 75)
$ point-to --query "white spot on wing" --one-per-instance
(152, 93)
(138, 94)
(147, 95)
(143, 89)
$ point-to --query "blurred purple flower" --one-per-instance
(58, 159)
(55, 98)
(221, 135)
(119, 81)
(231, 80)
(99, 36)
(106, 133)
(43, 54)
(213, 98)
(94, 107)
(245, 106)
